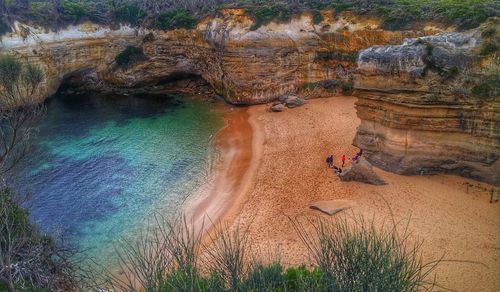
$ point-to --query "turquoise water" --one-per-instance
(100, 165)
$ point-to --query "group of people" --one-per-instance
(338, 170)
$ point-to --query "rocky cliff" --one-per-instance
(69, 51)
(432, 105)
(245, 66)
(428, 100)
(249, 67)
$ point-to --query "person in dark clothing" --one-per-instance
(343, 160)
(329, 161)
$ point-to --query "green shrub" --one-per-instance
(329, 85)
(348, 255)
(130, 56)
(399, 17)
(355, 255)
(37, 263)
(337, 55)
(75, 9)
(302, 279)
(42, 12)
(488, 33)
(466, 13)
(489, 48)
(432, 65)
(4, 26)
(150, 37)
(317, 17)
(347, 87)
(129, 13)
(176, 19)
(18, 81)
(263, 15)
(482, 90)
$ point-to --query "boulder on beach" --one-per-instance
(291, 101)
(361, 171)
(331, 207)
(278, 107)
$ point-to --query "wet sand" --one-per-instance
(237, 146)
(272, 166)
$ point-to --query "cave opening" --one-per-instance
(88, 80)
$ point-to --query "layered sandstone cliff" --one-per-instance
(69, 51)
(249, 67)
(431, 105)
(244, 66)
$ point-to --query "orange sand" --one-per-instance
(279, 169)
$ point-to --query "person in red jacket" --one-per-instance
(343, 160)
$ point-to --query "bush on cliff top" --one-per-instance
(396, 14)
(176, 19)
(129, 13)
(264, 14)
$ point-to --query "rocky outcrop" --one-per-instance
(69, 51)
(428, 105)
(249, 67)
(431, 105)
(361, 171)
(243, 65)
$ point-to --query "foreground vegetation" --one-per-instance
(348, 254)
(29, 259)
(170, 14)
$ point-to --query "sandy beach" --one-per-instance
(273, 167)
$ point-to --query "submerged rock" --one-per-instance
(361, 171)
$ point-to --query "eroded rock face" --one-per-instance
(244, 66)
(69, 51)
(250, 67)
(431, 105)
(361, 171)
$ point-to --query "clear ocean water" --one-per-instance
(100, 165)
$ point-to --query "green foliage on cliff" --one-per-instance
(337, 55)
(432, 65)
(264, 14)
(130, 56)
(347, 87)
(176, 19)
(4, 26)
(31, 260)
(489, 48)
(317, 17)
(396, 14)
(488, 88)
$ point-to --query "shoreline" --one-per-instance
(258, 187)
(239, 146)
